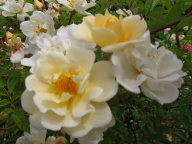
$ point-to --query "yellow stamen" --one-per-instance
(71, 4)
(110, 21)
(66, 84)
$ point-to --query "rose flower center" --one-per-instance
(110, 21)
(66, 84)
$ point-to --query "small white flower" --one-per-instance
(17, 50)
(61, 42)
(39, 23)
(35, 137)
(78, 5)
(19, 8)
(121, 12)
(2, 1)
(186, 28)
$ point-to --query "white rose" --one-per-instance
(35, 137)
(70, 91)
(61, 42)
(164, 87)
(156, 71)
(39, 23)
(78, 5)
(19, 8)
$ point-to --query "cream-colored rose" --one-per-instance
(156, 72)
(70, 91)
(110, 32)
(78, 5)
(36, 136)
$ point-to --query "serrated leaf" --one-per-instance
(150, 5)
(189, 32)
(166, 3)
(188, 64)
(1, 82)
(185, 22)
(20, 119)
(3, 92)
(180, 133)
(12, 80)
(16, 95)
(176, 11)
(187, 38)
(5, 72)
(4, 102)
(7, 111)
(185, 121)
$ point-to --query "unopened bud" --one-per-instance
(8, 34)
(38, 5)
(60, 140)
(63, 131)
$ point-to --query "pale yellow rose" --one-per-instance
(110, 32)
(70, 92)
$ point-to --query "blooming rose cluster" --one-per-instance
(67, 88)
(138, 65)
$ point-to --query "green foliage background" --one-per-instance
(139, 120)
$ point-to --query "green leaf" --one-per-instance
(155, 23)
(1, 82)
(4, 102)
(13, 78)
(185, 22)
(166, 3)
(3, 92)
(185, 121)
(187, 38)
(5, 71)
(181, 134)
(16, 95)
(7, 111)
(189, 32)
(157, 13)
(20, 119)
(176, 11)
(150, 5)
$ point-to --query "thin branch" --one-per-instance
(72, 13)
(171, 24)
(125, 97)
(123, 10)
(9, 127)
(177, 38)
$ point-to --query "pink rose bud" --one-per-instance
(190, 50)
(181, 37)
(173, 37)
(185, 28)
(166, 30)
(186, 47)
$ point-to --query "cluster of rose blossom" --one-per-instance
(185, 46)
(67, 89)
